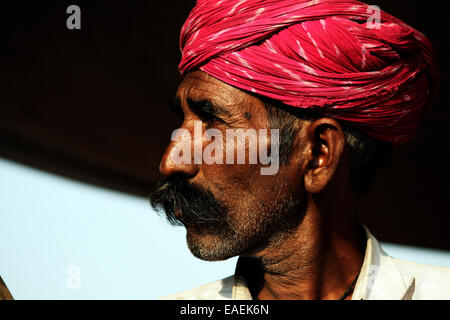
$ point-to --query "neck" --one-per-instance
(319, 260)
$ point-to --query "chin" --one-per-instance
(211, 246)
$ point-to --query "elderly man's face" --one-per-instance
(227, 209)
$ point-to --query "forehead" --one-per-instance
(199, 85)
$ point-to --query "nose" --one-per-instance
(178, 156)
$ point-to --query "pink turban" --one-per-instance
(325, 55)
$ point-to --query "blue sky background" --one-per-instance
(51, 226)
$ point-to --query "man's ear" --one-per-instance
(326, 146)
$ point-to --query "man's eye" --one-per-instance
(210, 119)
(205, 111)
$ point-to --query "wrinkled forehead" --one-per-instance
(199, 85)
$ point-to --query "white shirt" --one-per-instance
(381, 278)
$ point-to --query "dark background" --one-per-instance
(91, 104)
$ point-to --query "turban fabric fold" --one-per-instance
(327, 55)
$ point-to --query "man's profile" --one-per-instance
(341, 93)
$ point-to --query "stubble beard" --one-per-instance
(245, 234)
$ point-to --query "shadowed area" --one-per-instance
(91, 105)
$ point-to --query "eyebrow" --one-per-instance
(201, 107)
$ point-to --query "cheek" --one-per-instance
(231, 181)
(245, 192)
(237, 178)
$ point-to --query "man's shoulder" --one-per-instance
(431, 282)
(217, 290)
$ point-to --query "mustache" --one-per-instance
(198, 205)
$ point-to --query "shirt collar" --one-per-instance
(380, 278)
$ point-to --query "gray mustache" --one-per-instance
(198, 206)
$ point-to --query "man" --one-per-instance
(341, 88)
